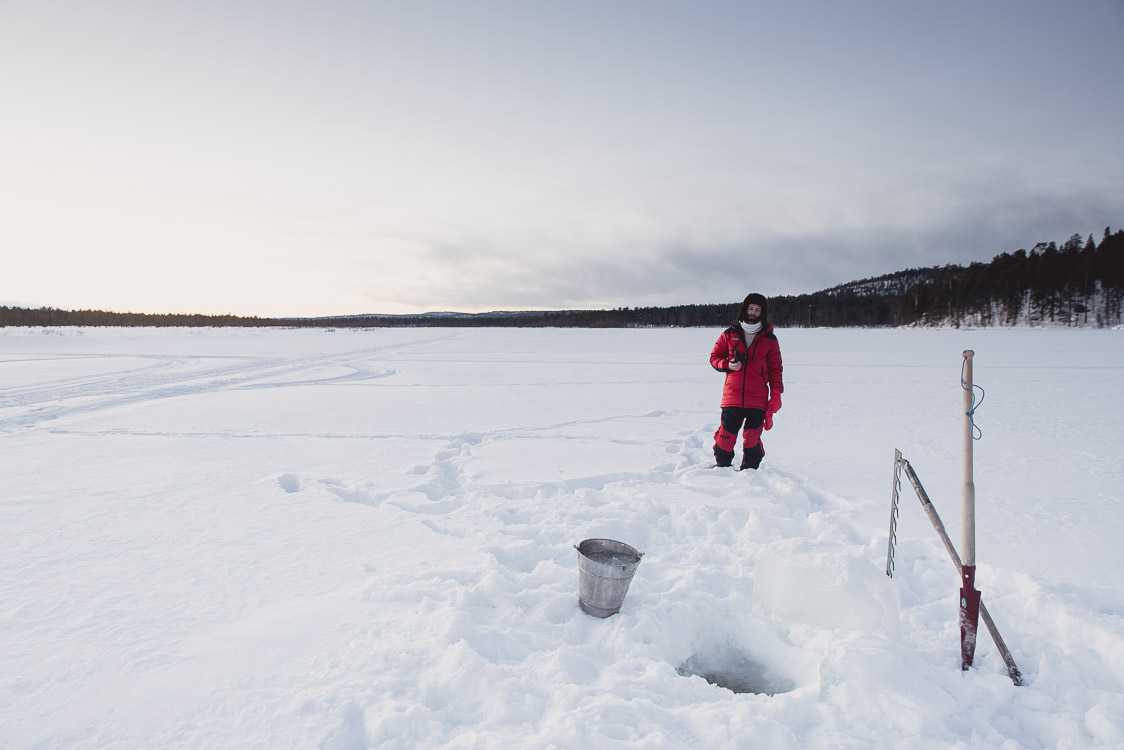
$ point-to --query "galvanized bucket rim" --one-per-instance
(628, 548)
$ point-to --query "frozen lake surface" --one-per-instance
(256, 538)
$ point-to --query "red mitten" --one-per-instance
(773, 408)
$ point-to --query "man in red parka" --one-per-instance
(749, 354)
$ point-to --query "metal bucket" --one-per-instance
(605, 568)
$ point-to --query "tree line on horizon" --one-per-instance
(1079, 284)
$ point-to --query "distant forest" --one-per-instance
(1080, 284)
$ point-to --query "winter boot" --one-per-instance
(723, 458)
(751, 457)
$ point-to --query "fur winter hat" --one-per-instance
(756, 299)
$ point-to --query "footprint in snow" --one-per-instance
(289, 482)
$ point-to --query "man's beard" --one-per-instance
(752, 318)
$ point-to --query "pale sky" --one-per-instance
(273, 158)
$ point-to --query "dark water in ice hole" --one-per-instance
(734, 670)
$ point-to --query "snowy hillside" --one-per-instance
(252, 538)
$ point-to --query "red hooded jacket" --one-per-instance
(761, 373)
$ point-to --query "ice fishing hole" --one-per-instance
(731, 668)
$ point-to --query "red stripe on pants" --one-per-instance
(726, 440)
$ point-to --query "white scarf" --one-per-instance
(751, 329)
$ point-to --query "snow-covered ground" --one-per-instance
(315, 539)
